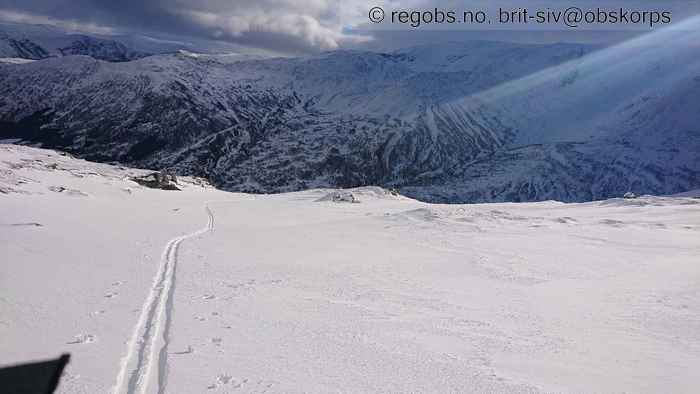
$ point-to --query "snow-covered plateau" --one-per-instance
(359, 290)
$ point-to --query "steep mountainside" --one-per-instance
(481, 121)
(109, 50)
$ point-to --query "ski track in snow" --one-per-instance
(152, 329)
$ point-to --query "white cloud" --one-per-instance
(319, 24)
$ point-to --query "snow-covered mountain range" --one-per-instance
(459, 122)
(35, 42)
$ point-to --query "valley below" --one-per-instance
(466, 122)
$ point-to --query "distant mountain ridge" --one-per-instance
(459, 122)
(35, 42)
(41, 42)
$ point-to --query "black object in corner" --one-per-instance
(34, 378)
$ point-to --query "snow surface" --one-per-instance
(14, 60)
(201, 290)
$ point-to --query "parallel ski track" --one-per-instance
(152, 329)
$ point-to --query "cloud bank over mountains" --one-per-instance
(290, 26)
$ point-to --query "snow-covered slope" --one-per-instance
(606, 128)
(342, 118)
(201, 290)
(477, 121)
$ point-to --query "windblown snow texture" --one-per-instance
(357, 290)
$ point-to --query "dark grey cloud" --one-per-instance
(295, 26)
(285, 25)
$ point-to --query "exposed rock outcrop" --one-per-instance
(158, 180)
